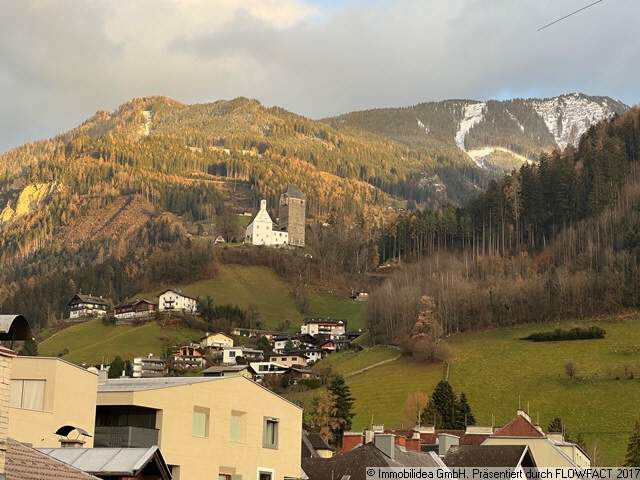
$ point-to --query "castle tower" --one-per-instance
(292, 215)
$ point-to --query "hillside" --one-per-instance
(157, 175)
(495, 369)
(495, 135)
(93, 343)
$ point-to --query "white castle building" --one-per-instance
(261, 232)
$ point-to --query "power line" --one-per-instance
(569, 15)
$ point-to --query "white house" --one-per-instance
(174, 301)
(230, 354)
(260, 369)
(87, 306)
(149, 366)
(333, 328)
(261, 232)
(216, 340)
(280, 343)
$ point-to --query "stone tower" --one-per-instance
(292, 215)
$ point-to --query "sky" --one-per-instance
(63, 60)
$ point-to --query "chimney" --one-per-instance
(351, 440)
(6, 357)
(71, 442)
(385, 442)
(413, 444)
(263, 204)
(445, 442)
(523, 414)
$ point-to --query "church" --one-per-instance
(292, 222)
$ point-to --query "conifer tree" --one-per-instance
(555, 426)
(344, 403)
(465, 416)
(633, 448)
(442, 409)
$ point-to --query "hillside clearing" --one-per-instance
(340, 308)
(248, 287)
(93, 342)
(496, 370)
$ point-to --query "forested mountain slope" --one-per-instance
(558, 239)
(494, 135)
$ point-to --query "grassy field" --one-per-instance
(248, 286)
(341, 308)
(92, 342)
(495, 369)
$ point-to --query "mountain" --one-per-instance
(156, 173)
(495, 135)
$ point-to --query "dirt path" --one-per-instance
(383, 362)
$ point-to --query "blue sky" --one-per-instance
(62, 60)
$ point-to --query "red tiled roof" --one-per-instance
(26, 463)
(519, 427)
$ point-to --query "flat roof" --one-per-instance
(154, 383)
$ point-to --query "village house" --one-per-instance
(280, 342)
(260, 369)
(320, 326)
(216, 340)
(549, 450)
(174, 301)
(376, 450)
(189, 357)
(149, 366)
(81, 306)
(228, 371)
(261, 230)
(141, 308)
(206, 427)
(230, 355)
(290, 360)
(518, 458)
(311, 354)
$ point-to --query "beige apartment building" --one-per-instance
(49, 393)
(219, 428)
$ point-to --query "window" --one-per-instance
(270, 433)
(200, 426)
(237, 432)
(232, 354)
(28, 394)
(262, 475)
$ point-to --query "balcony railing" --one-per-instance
(125, 437)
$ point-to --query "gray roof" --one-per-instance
(89, 299)
(489, 456)
(106, 461)
(14, 327)
(140, 384)
(225, 368)
(354, 462)
(295, 192)
(26, 463)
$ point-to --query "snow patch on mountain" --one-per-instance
(473, 114)
(568, 117)
(513, 117)
(423, 126)
(146, 127)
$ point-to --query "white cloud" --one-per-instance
(61, 60)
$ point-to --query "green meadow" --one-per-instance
(498, 371)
